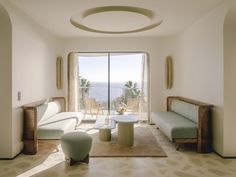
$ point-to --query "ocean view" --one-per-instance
(99, 90)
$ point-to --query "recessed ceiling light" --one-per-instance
(116, 20)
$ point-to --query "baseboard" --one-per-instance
(12, 158)
(233, 157)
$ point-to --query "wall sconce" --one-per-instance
(59, 73)
(169, 72)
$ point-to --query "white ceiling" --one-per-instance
(55, 15)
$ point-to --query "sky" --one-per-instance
(123, 67)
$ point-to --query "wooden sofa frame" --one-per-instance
(204, 129)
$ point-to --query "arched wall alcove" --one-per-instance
(229, 123)
(5, 84)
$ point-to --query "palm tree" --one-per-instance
(130, 90)
(84, 87)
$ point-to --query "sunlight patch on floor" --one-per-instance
(53, 159)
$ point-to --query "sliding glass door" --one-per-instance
(93, 83)
(125, 81)
(113, 83)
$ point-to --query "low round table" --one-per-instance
(125, 129)
(104, 126)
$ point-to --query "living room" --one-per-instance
(201, 47)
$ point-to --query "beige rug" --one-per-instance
(145, 145)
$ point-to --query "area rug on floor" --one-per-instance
(145, 145)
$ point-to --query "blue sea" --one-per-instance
(99, 90)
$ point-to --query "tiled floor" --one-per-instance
(49, 162)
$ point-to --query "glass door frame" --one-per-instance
(148, 74)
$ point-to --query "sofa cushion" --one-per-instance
(58, 124)
(45, 111)
(174, 125)
(185, 109)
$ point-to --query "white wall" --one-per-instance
(33, 65)
(198, 70)
(34, 52)
(5, 86)
(158, 49)
(202, 67)
(230, 82)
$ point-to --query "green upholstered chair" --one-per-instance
(76, 146)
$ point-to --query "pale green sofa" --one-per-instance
(186, 121)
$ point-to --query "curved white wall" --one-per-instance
(201, 68)
(230, 82)
(31, 69)
(5, 84)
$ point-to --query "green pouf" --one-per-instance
(76, 146)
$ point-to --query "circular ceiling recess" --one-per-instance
(115, 20)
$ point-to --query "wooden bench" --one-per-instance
(186, 121)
